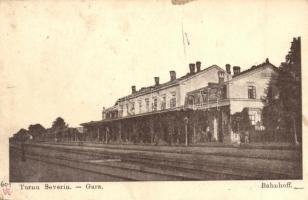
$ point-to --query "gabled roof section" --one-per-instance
(189, 76)
(254, 68)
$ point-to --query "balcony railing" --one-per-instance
(209, 104)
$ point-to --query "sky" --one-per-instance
(71, 58)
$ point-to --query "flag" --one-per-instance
(187, 40)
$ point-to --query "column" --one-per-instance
(132, 135)
(152, 130)
(215, 134)
(119, 132)
(98, 133)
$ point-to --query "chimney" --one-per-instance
(156, 81)
(103, 113)
(172, 75)
(236, 70)
(192, 68)
(267, 60)
(133, 89)
(198, 65)
(221, 77)
(228, 68)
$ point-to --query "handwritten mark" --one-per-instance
(10, 87)
(180, 2)
(5, 190)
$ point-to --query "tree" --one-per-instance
(283, 105)
(36, 130)
(58, 128)
(21, 135)
(273, 114)
(59, 124)
(289, 84)
(240, 121)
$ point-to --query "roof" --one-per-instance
(179, 108)
(145, 90)
(254, 67)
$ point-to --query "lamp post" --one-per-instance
(98, 133)
(55, 136)
(107, 132)
(186, 127)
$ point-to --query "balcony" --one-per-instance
(209, 104)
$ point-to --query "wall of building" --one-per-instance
(199, 81)
(238, 91)
(238, 88)
(239, 105)
(237, 96)
(151, 96)
(193, 82)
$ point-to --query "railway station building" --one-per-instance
(185, 109)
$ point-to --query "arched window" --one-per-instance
(191, 100)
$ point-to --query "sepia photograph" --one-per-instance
(175, 91)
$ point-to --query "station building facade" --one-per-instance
(185, 109)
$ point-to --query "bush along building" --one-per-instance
(205, 105)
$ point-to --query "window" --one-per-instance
(213, 94)
(154, 107)
(140, 106)
(252, 119)
(251, 92)
(163, 102)
(224, 92)
(127, 111)
(132, 108)
(191, 100)
(173, 100)
(197, 99)
(204, 96)
(147, 104)
(121, 111)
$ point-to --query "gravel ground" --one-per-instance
(267, 160)
(35, 171)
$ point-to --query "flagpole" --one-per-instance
(184, 44)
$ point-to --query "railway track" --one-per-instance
(146, 165)
(295, 157)
(121, 172)
(66, 162)
(235, 164)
